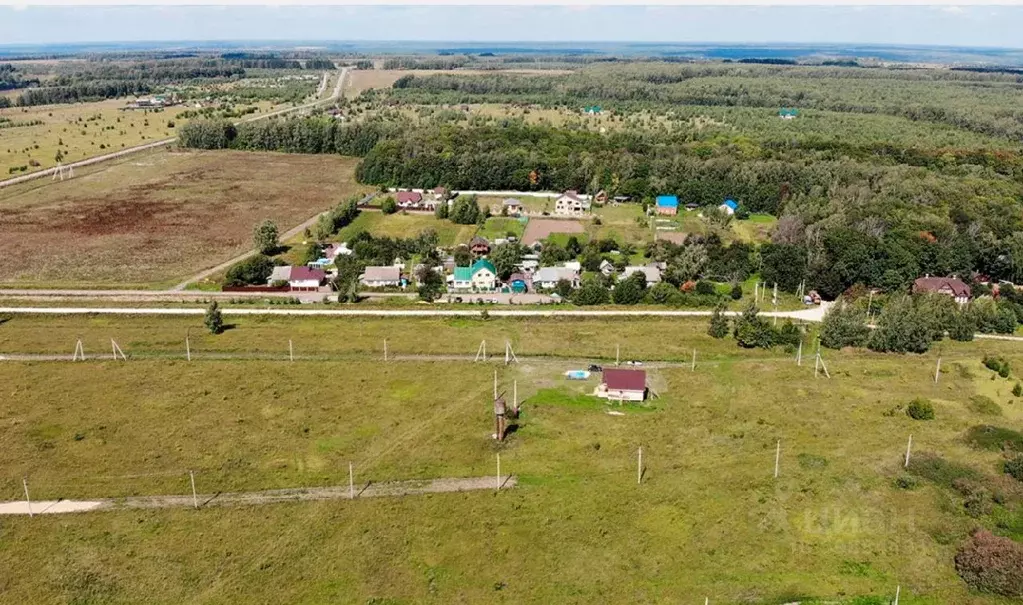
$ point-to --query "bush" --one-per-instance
(213, 319)
(994, 438)
(736, 292)
(844, 326)
(253, 271)
(984, 405)
(1014, 468)
(718, 322)
(751, 331)
(902, 328)
(940, 471)
(907, 482)
(1017, 391)
(591, 293)
(920, 409)
(705, 288)
(388, 206)
(999, 365)
(993, 564)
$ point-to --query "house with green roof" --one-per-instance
(480, 277)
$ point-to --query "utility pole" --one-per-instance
(777, 458)
(28, 501)
(639, 467)
(195, 498)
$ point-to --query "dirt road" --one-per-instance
(273, 496)
(814, 314)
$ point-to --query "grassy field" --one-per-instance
(80, 131)
(499, 227)
(708, 520)
(153, 219)
(402, 225)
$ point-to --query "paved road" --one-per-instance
(814, 314)
(371, 490)
(164, 142)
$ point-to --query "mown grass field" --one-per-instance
(407, 225)
(708, 520)
(156, 218)
(82, 130)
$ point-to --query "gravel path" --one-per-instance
(813, 314)
(370, 490)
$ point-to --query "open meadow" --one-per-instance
(576, 529)
(158, 217)
(31, 137)
(408, 225)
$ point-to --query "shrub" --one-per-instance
(907, 482)
(705, 287)
(920, 409)
(1017, 391)
(214, 319)
(1004, 372)
(718, 322)
(993, 564)
(751, 331)
(937, 470)
(994, 438)
(995, 364)
(902, 328)
(388, 206)
(1014, 468)
(984, 405)
(789, 335)
(254, 270)
(844, 326)
(736, 292)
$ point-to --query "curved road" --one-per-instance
(117, 154)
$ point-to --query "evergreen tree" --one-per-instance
(718, 322)
(213, 319)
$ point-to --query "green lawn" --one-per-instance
(407, 225)
(708, 520)
(757, 228)
(499, 227)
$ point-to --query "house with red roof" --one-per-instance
(622, 385)
(408, 199)
(949, 286)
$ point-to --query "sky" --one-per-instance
(967, 25)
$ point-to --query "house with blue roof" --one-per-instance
(480, 277)
(667, 204)
(729, 207)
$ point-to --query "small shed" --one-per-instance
(622, 385)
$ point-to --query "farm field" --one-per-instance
(400, 225)
(831, 526)
(82, 130)
(152, 219)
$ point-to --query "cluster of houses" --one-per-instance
(667, 205)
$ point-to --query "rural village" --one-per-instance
(486, 322)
